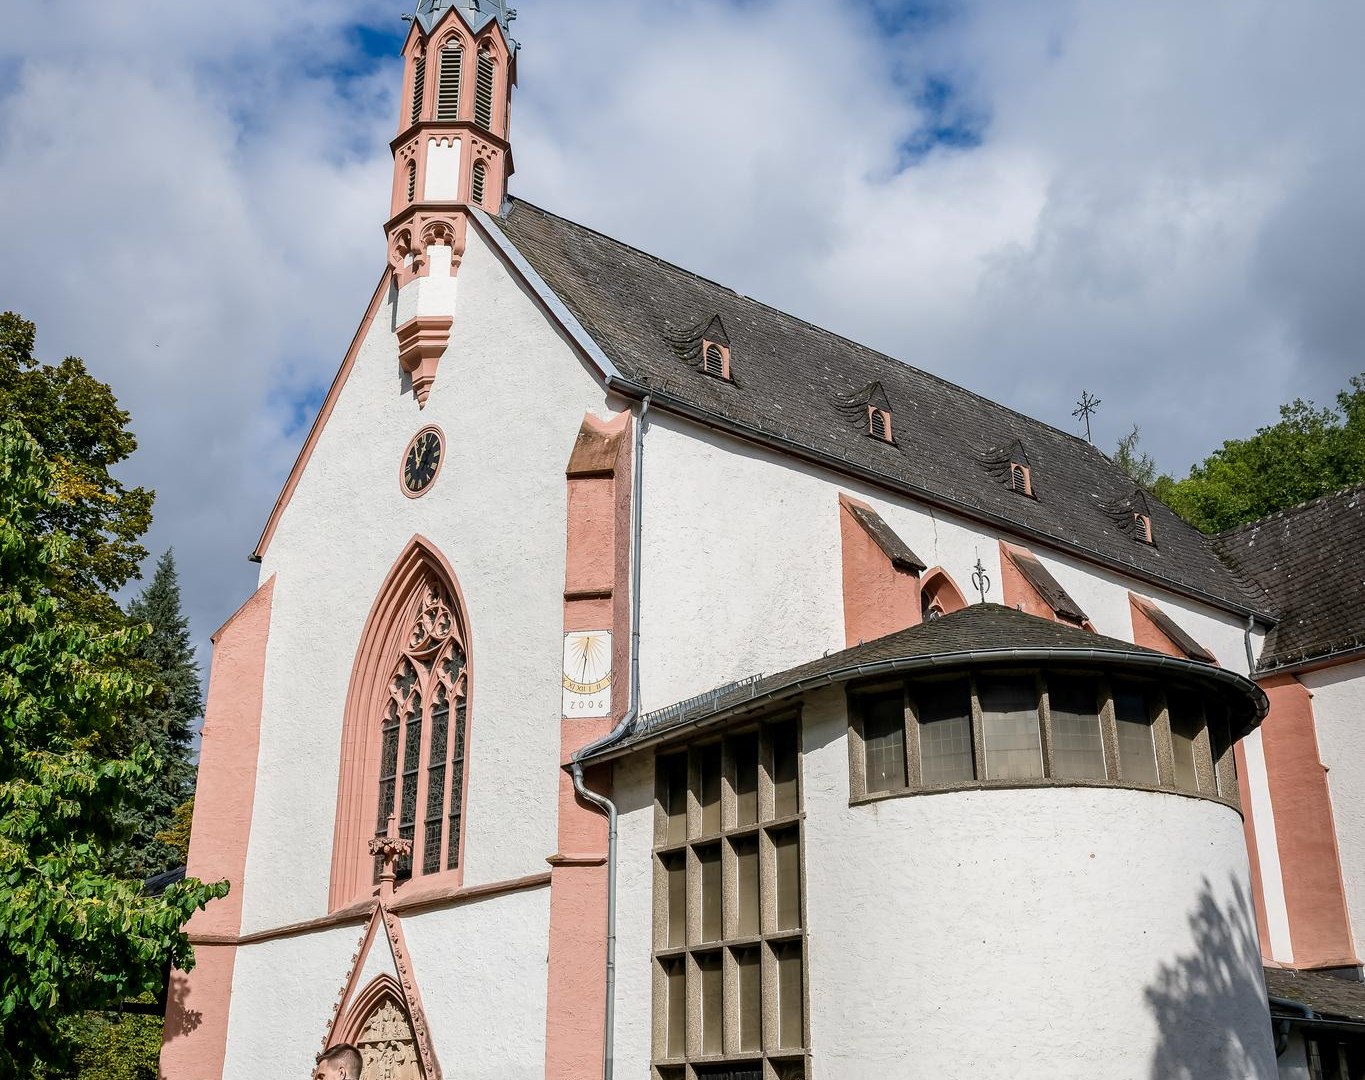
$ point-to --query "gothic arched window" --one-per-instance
(405, 729)
(422, 739)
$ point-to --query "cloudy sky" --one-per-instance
(1156, 201)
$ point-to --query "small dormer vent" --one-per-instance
(868, 410)
(879, 423)
(1133, 515)
(715, 360)
(704, 346)
(1008, 464)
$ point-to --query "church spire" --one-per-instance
(452, 150)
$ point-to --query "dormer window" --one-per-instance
(879, 423)
(715, 360)
(1142, 527)
(1021, 479)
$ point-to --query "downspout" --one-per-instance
(1251, 653)
(1282, 1025)
(576, 767)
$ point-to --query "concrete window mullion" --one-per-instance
(1109, 730)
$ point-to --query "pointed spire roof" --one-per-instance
(477, 13)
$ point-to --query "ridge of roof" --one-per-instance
(834, 334)
(624, 298)
(1340, 495)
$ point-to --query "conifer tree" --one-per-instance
(166, 723)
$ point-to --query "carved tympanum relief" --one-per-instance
(387, 1045)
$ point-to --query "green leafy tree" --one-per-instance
(74, 938)
(84, 434)
(1310, 452)
(165, 723)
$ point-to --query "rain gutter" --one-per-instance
(938, 662)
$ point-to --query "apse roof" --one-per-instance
(1325, 994)
(1310, 559)
(791, 384)
(477, 13)
(980, 634)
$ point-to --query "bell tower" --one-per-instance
(451, 153)
(452, 150)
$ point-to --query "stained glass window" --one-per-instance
(421, 759)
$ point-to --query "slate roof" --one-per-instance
(792, 384)
(1310, 559)
(1324, 994)
(982, 633)
(477, 13)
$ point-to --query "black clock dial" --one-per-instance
(422, 462)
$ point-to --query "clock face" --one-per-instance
(422, 462)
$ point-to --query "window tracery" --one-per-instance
(422, 738)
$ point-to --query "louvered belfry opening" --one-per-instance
(478, 184)
(448, 86)
(483, 94)
(412, 180)
(419, 87)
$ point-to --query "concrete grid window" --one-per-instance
(1036, 727)
(729, 942)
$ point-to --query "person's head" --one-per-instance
(341, 1062)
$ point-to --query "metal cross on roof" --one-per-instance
(1087, 407)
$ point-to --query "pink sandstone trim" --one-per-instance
(377, 652)
(879, 599)
(1305, 831)
(422, 341)
(1016, 589)
(197, 1009)
(412, 902)
(597, 597)
(1148, 634)
(938, 589)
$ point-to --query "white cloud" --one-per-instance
(1162, 208)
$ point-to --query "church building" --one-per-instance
(645, 683)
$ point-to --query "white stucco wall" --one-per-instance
(510, 397)
(480, 967)
(283, 994)
(443, 170)
(1044, 933)
(742, 565)
(1339, 715)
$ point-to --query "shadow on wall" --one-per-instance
(1210, 1006)
(181, 1020)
